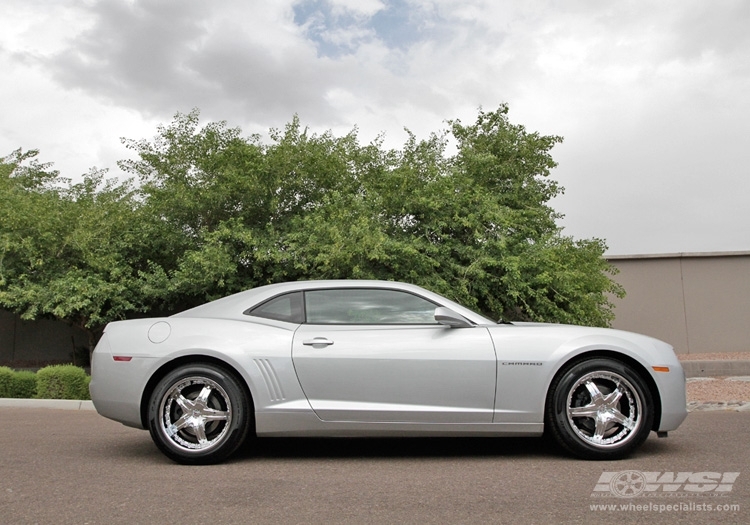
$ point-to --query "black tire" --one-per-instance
(599, 409)
(199, 414)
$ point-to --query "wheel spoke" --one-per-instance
(178, 425)
(185, 404)
(199, 429)
(612, 399)
(602, 425)
(596, 394)
(182, 422)
(620, 418)
(584, 411)
(203, 396)
(211, 414)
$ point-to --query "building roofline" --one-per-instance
(681, 255)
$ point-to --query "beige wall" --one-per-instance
(697, 302)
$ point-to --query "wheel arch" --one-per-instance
(623, 358)
(173, 364)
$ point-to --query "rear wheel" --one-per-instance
(199, 414)
(599, 409)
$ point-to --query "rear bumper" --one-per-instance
(115, 386)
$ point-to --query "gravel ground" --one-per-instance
(717, 389)
(730, 391)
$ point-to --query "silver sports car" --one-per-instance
(376, 358)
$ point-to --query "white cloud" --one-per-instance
(652, 102)
(358, 7)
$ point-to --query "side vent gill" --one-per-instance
(275, 392)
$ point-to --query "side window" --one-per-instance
(367, 306)
(287, 307)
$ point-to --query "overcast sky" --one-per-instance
(652, 98)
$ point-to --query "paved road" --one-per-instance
(60, 466)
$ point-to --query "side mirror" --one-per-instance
(448, 317)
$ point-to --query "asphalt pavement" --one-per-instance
(74, 466)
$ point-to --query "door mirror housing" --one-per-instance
(448, 317)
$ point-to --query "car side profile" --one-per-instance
(357, 358)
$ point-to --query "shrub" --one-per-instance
(62, 382)
(23, 385)
(6, 381)
(17, 384)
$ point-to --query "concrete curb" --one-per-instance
(58, 404)
(717, 368)
(726, 406)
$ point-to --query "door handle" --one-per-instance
(317, 341)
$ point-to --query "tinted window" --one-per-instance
(286, 307)
(363, 306)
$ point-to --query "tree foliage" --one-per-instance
(213, 212)
(69, 251)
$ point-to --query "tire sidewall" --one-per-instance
(238, 428)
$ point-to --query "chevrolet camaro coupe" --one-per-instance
(377, 358)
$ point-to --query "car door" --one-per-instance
(378, 355)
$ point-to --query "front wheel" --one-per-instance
(199, 414)
(599, 409)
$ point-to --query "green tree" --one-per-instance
(74, 252)
(475, 226)
(204, 189)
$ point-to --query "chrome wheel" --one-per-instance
(599, 409)
(199, 414)
(196, 413)
(603, 409)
